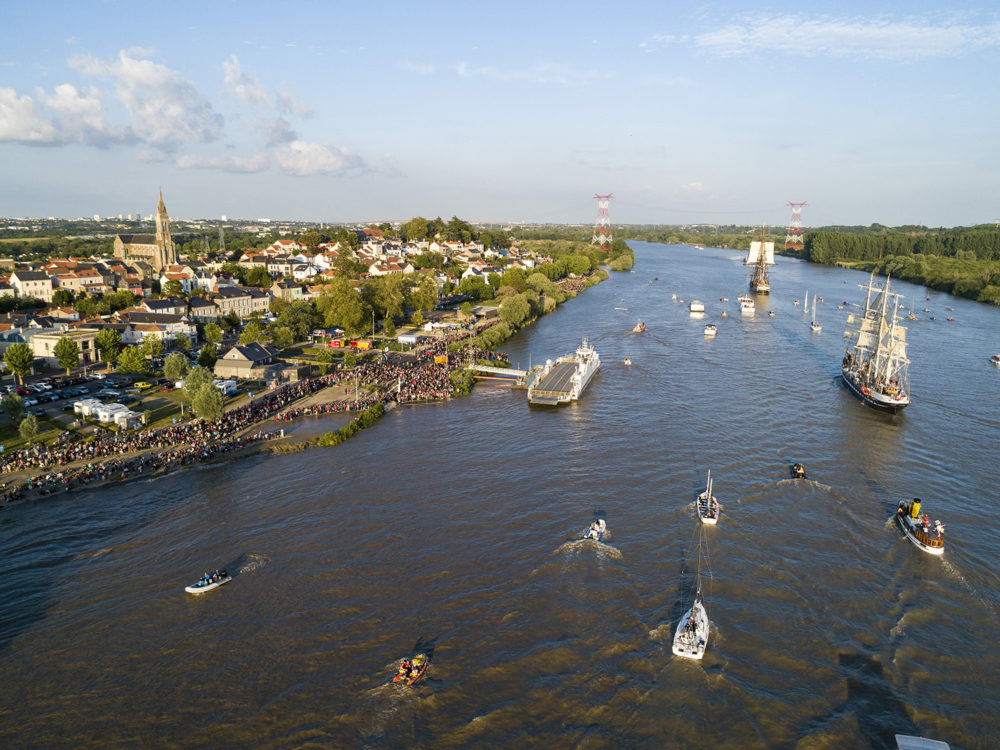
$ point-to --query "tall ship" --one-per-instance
(875, 366)
(760, 256)
(565, 379)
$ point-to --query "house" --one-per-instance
(287, 290)
(35, 284)
(247, 361)
(183, 278)
(279, 266)
(202, 310)
(303, 271)
(43, 345)
(167, 305)
(237, 299)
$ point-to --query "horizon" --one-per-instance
(711, 115)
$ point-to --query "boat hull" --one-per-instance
(692, 644)
(704, 509)
(873, 398)
(194, 588)
(908, 528)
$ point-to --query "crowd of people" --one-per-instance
(419, 376)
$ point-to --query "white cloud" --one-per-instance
(424, 69)
(277, 130)
(67, 115)
(165, 109)
(256, 163)
(303, 159)
(542, 73)
(288, 102)
(855, 37)
(21, 121)
(247, 88)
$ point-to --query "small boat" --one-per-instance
(919, 531)
(725, 314)
(411, 670)
(816, 327)
(995, 359)
(912, 742)
(691, 636)
(208, 582)
(673, 297)
(950, 319)
(621, 308)
(711, 330)
(723, 299)
(708, 506)
(816, 300)
(639, 327)
(696, 306)
(796, 303)
(798, 471)
(627, 362)
(770, 313)
(747, 306)
(805, 307)
(596, 531)
(927, 309)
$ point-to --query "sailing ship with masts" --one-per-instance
(760, 256)
(875, 366)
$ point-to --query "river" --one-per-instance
(450, 528)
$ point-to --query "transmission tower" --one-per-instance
(602, 229)
(793, 240)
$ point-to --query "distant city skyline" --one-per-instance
(702, 114)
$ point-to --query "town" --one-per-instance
(150, 348)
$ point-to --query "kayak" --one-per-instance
(207, 584)
(411, 670)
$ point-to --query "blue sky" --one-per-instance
(715, 112)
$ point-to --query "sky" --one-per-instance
(713, 112)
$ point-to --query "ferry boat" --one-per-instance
(747, 304)
(696, 306)
(929, 537)
(875, 366)
(565, 379)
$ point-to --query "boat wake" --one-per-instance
(253, 562)
(970, 589)
(576, 547)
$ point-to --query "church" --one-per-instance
(155, 251)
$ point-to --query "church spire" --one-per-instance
(166, 254)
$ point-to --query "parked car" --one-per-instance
(107, 393)
(30, 401)
(143, 385)
(37, 411)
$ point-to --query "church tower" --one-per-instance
(166, 252)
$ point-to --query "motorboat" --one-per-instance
(708, 506)
(770, 313)
(208, 582)
(627, 362)
(798, 471)
(747, 305)
(696, 306)
(597, 529)
(411, 670)
(995, 359)
(927, 536)
(711, 330)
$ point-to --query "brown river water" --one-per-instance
(452, 528)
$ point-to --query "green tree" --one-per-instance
(197, 378)
(283, 337)
(300, 318)
(258, 276)
(28, 427)
(67, 352)
(175, 367)
(208, 357)
(277, 305)
(62, 298)
(311, 238)
(13, 407)
(350, 359)
(466, 309)
(389, 328)
(133, 360)
(231, 320)
(207, 402)
(173, 288)
(182, 342)
(152, 346)
(515, 310)
(418, 317)
(108, 342)
(19, 358)
(341, 306)
(252, 333)
(213, 333)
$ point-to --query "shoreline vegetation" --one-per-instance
(961, 261)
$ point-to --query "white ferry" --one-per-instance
(747, 305)
(565, 379)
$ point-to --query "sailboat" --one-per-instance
(691, 636)
(912, 315)
(816, 327)
(760, 256)
(875, 366)
(805, 309)
(708, 506)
